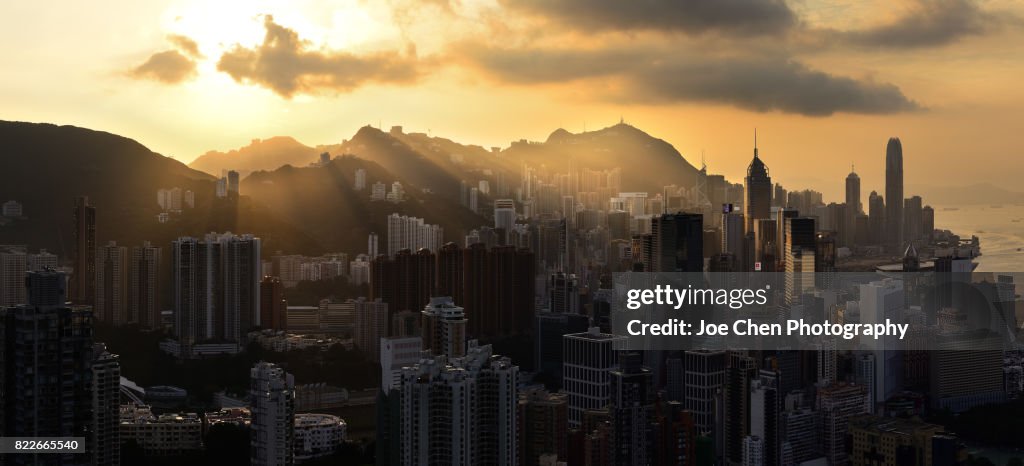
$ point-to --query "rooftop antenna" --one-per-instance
(755, 142)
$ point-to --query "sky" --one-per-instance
(824, 82)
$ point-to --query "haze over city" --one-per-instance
(818, 79)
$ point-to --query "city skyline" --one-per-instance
(826, 77)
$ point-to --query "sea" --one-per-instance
(1000, 228)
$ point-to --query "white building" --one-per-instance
(360, 182)
(272, 430)
(378, 192)
(317, 435)
(12, 209)
(881, 300)
(753, 451)
(413, 234)
(395, 354)
(359, 271)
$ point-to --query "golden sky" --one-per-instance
(825, 82)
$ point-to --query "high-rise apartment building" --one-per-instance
(272, 404)
(83, 252)
(111, 305)
(144, 300)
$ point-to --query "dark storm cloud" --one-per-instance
(740, 17)
(288, 65)
(169, 66)
(752, 83)
(929, 23)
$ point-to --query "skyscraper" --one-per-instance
(111, 295)
(876, 218)
(677, 241)
(838, 403)
(13, 265)
(543, 425)
(106, 384)
(144, 286)
(83, 252)
(588, 360)
(272, 403)
(459, 411)
(894, 194)
(913, 218)
(216, 288)
(853, 206)
(273, 306)
(46, 369)
(704, 372)
(757, 202)
(371, 324)
(632, 403)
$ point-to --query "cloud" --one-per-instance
(288, 65)
(737, 17)
(669, 76)
(186, 45)
(929, 23)
(169, 66)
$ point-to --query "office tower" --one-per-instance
(891, 440)
(13, 265)
(853, 194)
(233, 182)
(413, 234)
(737, 411)
(766, 413)
(105, 445)
(543, 426)
(782, 217)
(46, 372)
(780, 197)
(704, 372)
(677, 242)
(881, 300)
(757, 202)
(273, 306)
(765, 241)
(838, 403)
(360, 181)
(618, 225)
(144, 279)
(632, 403)
(588, 360)
(864, 373)
(548, 338)
(801, 434)
(272, 404)
(928, 222)
(371, 324)
(111, 294)
(216, 288)
(800, 257)
(563, 293)
(504, 215)
(876, 218)
(444, 328)
(827, 359)
(733, 234)
(824, 259)
(83, 252)
(913, 218)
(965, 370)
(894, 194)
(753, 451)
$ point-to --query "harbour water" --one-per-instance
(999, 227)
